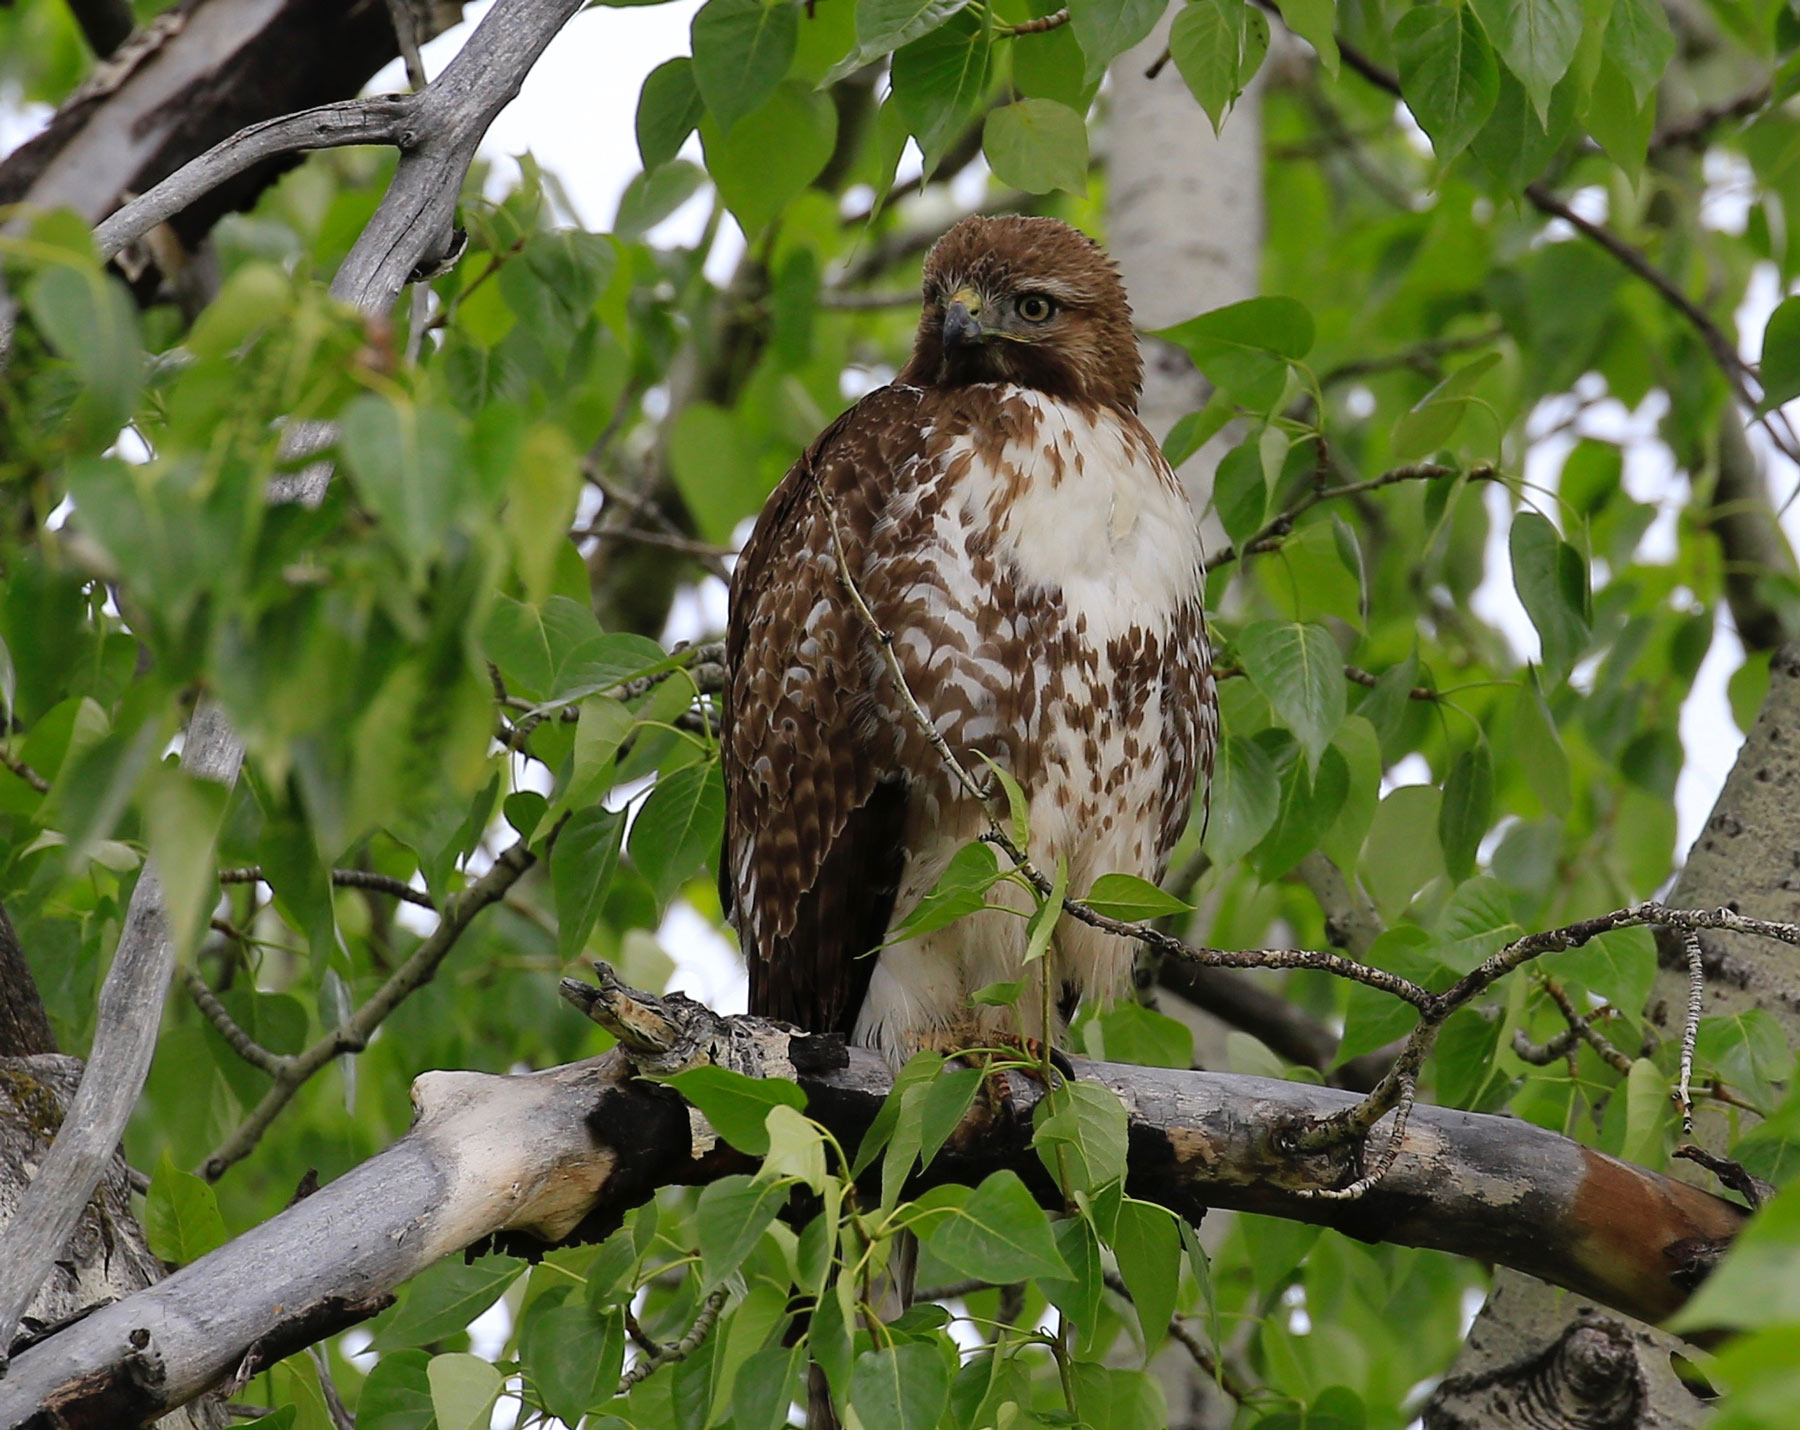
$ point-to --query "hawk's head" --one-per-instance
(1030, 301)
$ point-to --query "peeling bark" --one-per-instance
(569, 1151)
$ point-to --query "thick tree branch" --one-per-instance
(585, 1143)
(381, 119)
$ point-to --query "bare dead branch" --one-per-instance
(381, 119)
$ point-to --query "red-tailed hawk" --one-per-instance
(1014, 528)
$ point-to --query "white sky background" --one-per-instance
(575, 114)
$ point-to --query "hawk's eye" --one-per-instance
(1035, 308)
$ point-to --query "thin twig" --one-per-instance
(353, 1036)
(1055, 20)
(1690, 1028)
(1584, 1029)
(239, 1041)
(668, 541)
(406, 34)
(343, 879)
(1278, 527)
(681, 1349)
(24, 771)
(334, 1403)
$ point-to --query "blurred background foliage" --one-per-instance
(1473, 461)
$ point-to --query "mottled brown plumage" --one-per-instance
(1016, 531)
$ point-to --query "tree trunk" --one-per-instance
(1746, 859)
(106, 1259)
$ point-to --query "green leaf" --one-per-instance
(1246, 347)
(946, 1101)
(442, 1301)
(730, 1219)
(87, 317)
(1467, 809)
(181, 1215)
(1619, 967)
(572, 1356)
(1448, 76)
(714, 468)
(961, 889)
(1539, 749)
(1373, 1019)
(1110, 1398)
(771, 153)
(1780, 370)
(765, 1385)
(679, 827)
(581, 871)
(1217, 45)
(1105, 29)
(1000, 1234)
(1536, 38)
(1245, 798)
(1300, 671)
(1083, 1126)
(883, 26)
(1551, 579)
(904, 1387)
(183, 815)
(1041, 926)
(1241, 491)
(1648, 1115)
(655, 194)
(397, 1394)
(1639, 41)
(463, 1390)
(1314, 21)
(1148, 1249)
(1018, 808)
(409, 464)
(939, 83)
(669, 109)
(1135, 900)
(1079, 1294)
(1309, 806)
(742, 48)
(738, 1107)
(1037, 145)
(1128, 1032)
(920, 1068)
(1430, 423)
(796, 1148)
(540, 504)
(600, 729)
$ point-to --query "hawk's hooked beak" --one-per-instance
(960, 319)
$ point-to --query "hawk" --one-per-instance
(1019, 539)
